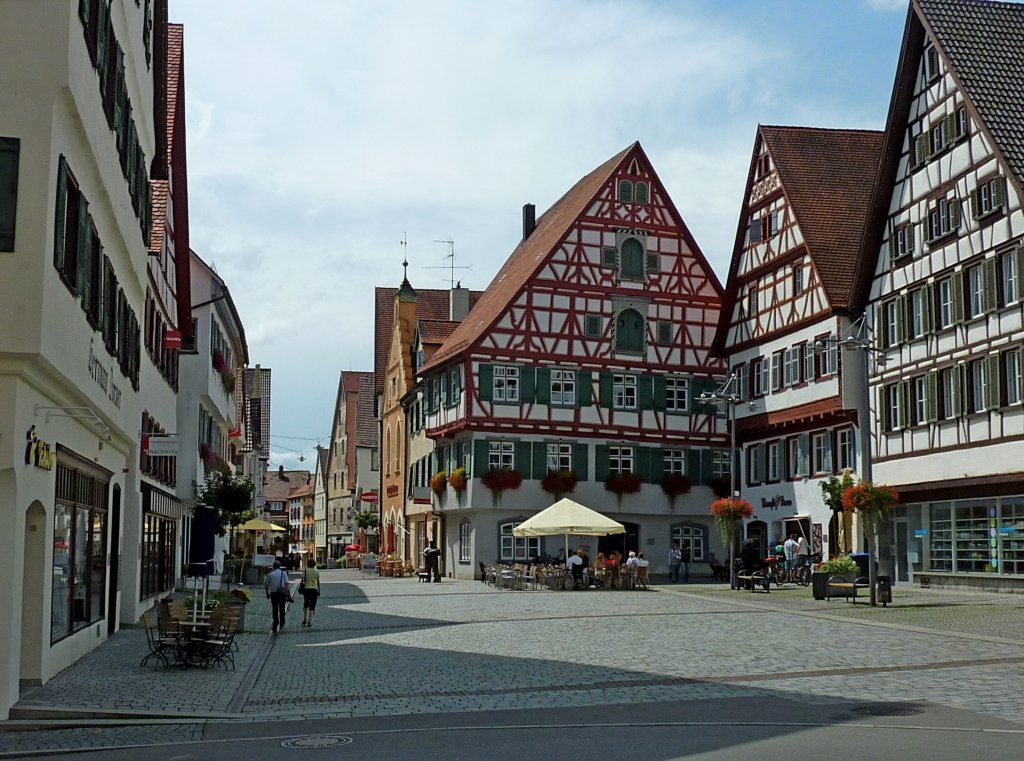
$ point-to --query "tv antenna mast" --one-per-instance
(450, 255)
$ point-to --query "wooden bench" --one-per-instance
(849, 588)
(756, 579)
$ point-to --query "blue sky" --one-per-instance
(321, 132)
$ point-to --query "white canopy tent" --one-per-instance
(566, 517)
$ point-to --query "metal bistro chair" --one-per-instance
(158, 646)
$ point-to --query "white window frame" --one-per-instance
(798, 279)
(919, 388)
(506, 383)
(1010, 278)
(721, 463)
(1012, 376)
(917, 313)
(465, 542)
(677, 394)
(892, 402)
(559, 456)
(675, 461)
(890, 315)
(620, 460)
(793, 457)
(844, 449)
(513, 548)
(947, 381)
(563, 387)
(624, 392)
(777, 371)
(978, 378)
(774, 460)
(501, 455)
(945, 310)
(793, 362)
(975, 292)
(692, 537)
(754, 463)
(818, 452)
(758, 376)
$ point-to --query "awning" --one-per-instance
(257, 524)
(567, 517)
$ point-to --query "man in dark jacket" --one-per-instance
(431, 558)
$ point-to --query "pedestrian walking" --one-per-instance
(431, 558)
(675, 559)
(278, 592)
(801, 551)
(309, 588)
(687, 556)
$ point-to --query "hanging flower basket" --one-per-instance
(457, 480)
(622, 483)
(721, 486)
(727, 511)
(675, 484)
(558, 483)
(218, 361)
(872, 502)
(439, 483)
(500, 480)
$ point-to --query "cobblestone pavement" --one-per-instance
(393, 646)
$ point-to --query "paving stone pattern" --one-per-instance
(394, 646)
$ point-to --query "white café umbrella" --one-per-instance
(567, 517)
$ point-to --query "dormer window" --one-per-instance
(764, 166)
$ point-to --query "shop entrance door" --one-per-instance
(757, 532)
(115, 557)
(902, 570)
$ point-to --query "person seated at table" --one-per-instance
(575, 566)
(641, 562)
(632, 561)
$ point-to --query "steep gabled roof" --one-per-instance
(366, 424)
(982, 45)
(277, 488)
(532, 253)
(431, 304)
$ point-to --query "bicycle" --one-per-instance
(802, 573)
(775, 570)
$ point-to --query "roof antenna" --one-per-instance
(450, 255)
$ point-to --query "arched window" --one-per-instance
(632, 260)
(398, 444)
(691, 535)
(387, 451)
(640, 192)
(629, 331)
(625, 191)
(465, 545)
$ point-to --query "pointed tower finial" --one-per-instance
(405, 291)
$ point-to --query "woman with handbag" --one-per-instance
(309, 588)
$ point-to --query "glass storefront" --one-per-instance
(982, 536)
(158, 552)
(79, 552)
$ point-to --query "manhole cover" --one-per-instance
(317, 741)
(889, 709)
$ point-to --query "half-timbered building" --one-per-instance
(787, 300)
(942, 276)
(586, 353)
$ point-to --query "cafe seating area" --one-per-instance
(179, 638)
(523, 576)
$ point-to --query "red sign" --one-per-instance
(393, 490)
(370, 496)
(172, 339)
(421, 501)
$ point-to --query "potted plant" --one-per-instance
(873, 503)
(674, 484)
(499, 480)
(842, 566)
(721, 486)
(458, 480)
(727, 511)
(621, 483)
(558, 483)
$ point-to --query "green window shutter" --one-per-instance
(949, 129)
(102, 34)
(931, 402)
(632, 258)
(10, 148)
(973, 197)
(903, 399)
(102, 264)
(485, 383)
(657, 464)
(957, 397)
(479, 465)
(642, 463)
(956, 213)
(540, 459)
(601, 463)
(901, 317)
(693, 463)
(527, 384)
(928, 307)
(543, 390)
(910, 238)
(957, 290)
(660, 387)
(707, 465)
(523, 458)
(1020, 376)
(579, 462)
(883, 408)
(605, 382)
(989, 296)
(120, 103)
(921, 148)
(584, 389)
(84, 242)
(998, 193)
(60, 216)
(645, 387)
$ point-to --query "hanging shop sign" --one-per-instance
(393, 490)
(370, 496)
(776, 502)
(172, 339)
(38, 452)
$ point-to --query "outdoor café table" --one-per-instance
(627, 578)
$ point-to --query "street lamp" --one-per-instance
(856, 340)
(728, 394)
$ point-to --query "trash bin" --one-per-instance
(862, 559)
(884, 592)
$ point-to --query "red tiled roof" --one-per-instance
(366, 423)
(175, 45)
(528, 257)
(431, 304)
(434, 332)
(158, 214)
(827, 176)
(277, 490)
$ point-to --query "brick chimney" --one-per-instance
(458, 303)
(529, 219)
